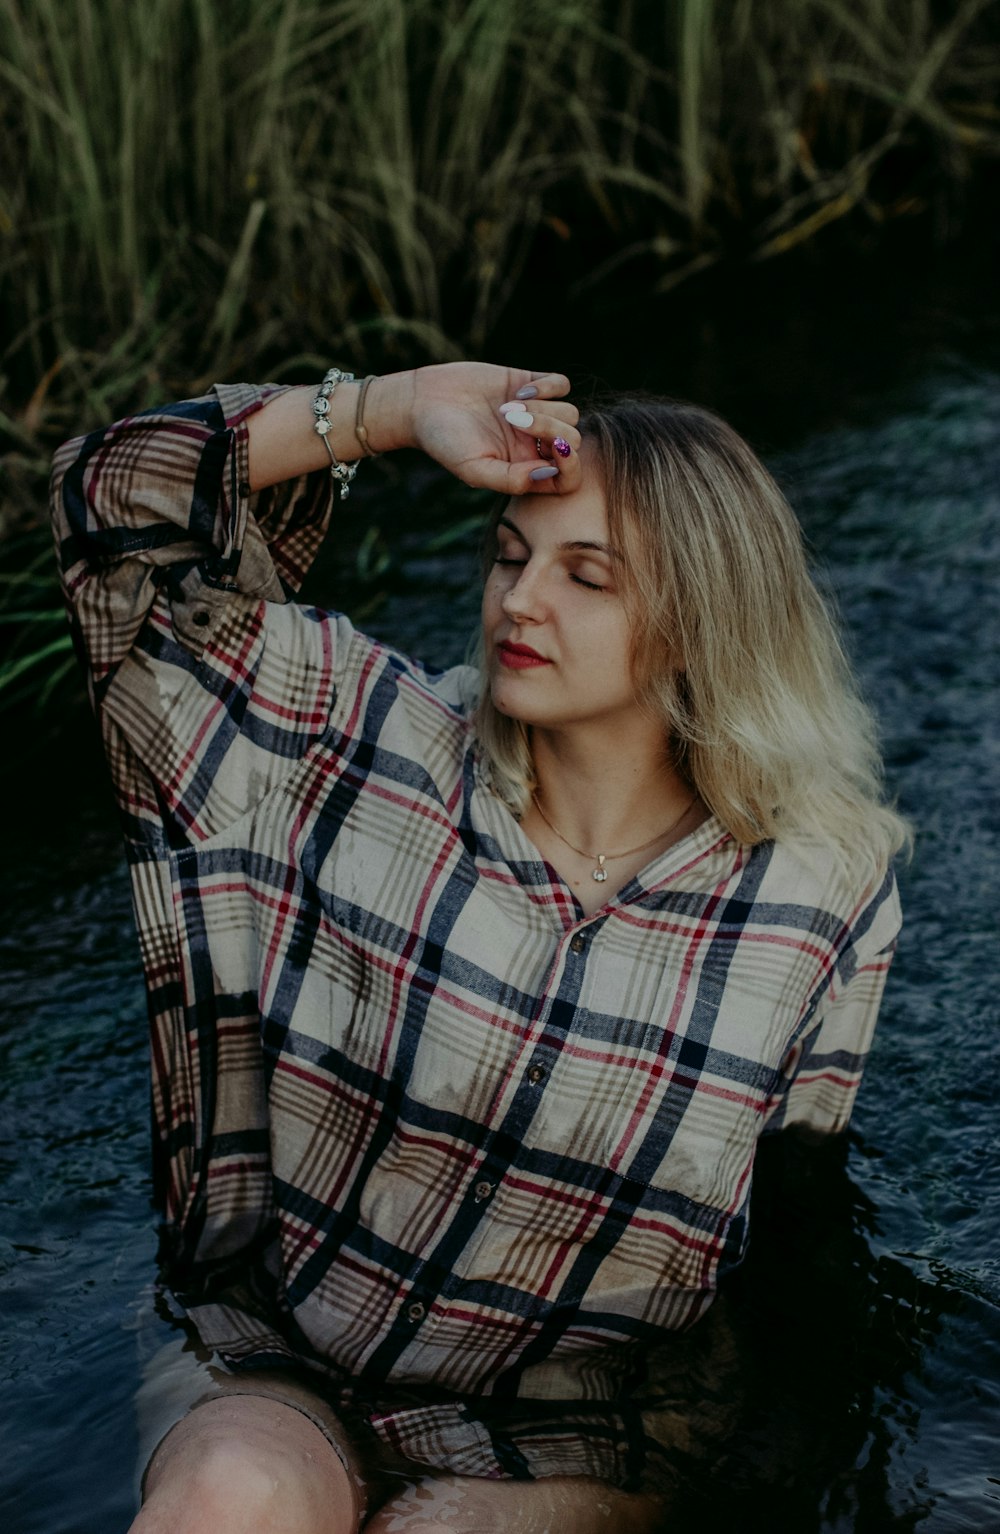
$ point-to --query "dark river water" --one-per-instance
(869, 1321)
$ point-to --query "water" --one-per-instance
(871, 1334)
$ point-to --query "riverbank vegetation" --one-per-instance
(191, 190)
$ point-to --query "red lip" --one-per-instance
(519, 656)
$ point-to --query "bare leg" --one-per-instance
(245, 1464)
(555, 1505)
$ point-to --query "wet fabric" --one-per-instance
(419, 1122)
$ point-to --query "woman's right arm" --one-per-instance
(179, 488)
(178, 531)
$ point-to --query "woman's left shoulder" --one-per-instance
(857, 890)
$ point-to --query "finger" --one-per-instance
(543, 427)
(562, 410)
(542, 385)
(534, 476)
(568, 476)
(506, 478)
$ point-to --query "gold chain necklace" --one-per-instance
(600, 873)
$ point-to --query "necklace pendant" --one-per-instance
(600, 872)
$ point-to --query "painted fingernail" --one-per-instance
(527, 392)
(561, 446)
(511, 404)
(520, 418)
(548, 472)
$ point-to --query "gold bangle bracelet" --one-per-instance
(360, 429)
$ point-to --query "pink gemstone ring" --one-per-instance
(562, 447)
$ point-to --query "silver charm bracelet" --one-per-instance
(342, 473)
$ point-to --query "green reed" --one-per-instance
(187, 185)
(191, 190)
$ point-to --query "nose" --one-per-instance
(521, 601)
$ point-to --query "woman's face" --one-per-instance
(556, 633)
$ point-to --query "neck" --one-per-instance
(607, 793)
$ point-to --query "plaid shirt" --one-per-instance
(420, 1122)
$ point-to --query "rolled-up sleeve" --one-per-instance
(207, 682)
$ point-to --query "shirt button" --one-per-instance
(416, 1311)
(244, 487)
(482, 1190)
(536, 1074)
(201, 618)
(578, 943)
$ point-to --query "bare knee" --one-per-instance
(248, 1465)
(228, 1481)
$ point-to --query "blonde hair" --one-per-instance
(733, 646)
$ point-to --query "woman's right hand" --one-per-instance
(453, 414)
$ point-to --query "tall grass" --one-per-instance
(187, 185)
(191, 189)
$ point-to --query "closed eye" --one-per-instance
(590, 585)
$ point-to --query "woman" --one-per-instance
(470, 993)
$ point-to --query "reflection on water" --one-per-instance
(867, 1323)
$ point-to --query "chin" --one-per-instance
(506, 706)
(507, 709)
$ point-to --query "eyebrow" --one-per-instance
(574, 545)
